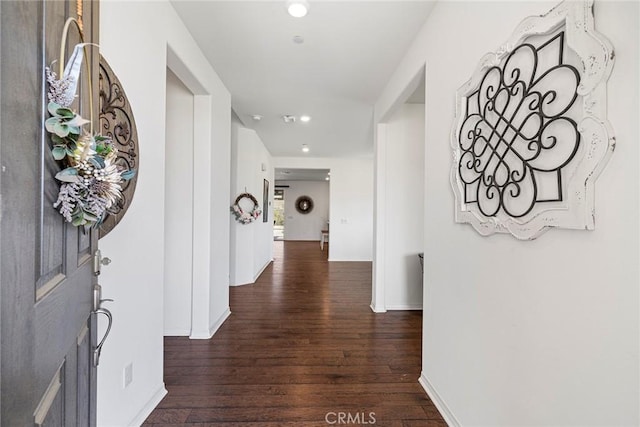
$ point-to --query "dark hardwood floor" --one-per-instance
(301, 348)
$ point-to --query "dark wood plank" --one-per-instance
(301, 342)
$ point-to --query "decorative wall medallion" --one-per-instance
(531, 133)
(304, 204)
(117, 122)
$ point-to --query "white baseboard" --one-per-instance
(240, 284)
(216, 325)
(405, 307)
(378, 308)
(213, 328)
(444, 410)
(264, 267)
(149, 407)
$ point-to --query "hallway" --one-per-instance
(301, 348)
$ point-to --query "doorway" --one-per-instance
(399, 233)
(311, 187)
(178, 204)
(278, 214)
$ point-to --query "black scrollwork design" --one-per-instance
(117, 122)
(517, 132)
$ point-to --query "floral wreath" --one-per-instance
(246, 217)
(90, 177)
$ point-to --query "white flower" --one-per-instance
(106, 181)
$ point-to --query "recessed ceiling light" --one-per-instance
(326, 179)
(305, 148)
(288, 118)
(256, 117)
(298, 39)
(305, 118)
(297, 8)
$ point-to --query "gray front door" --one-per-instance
(47, 332)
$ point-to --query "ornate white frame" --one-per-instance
(597, 57)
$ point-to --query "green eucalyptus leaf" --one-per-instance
(58, 140)
(79, 220)
(73, 130)
(97, 162)
(90, 217)
(77, 121)
(53, 108)
(60, 129)
(100, 221)
(59, 152)
(68, 175)
(73, 137)
(127, 175)
(50, 123)
(65, 112)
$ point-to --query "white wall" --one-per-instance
(178, 208)
(139, 40)
(519, 333)
(307, 226)
(402, 213)
(350, 200)
(251, 244)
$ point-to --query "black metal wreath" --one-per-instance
(304, 204)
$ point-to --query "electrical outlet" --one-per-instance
(128, 374)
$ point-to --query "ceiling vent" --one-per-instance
(289, 119)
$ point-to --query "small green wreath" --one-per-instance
(242, 216)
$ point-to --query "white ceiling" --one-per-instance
(351, 48)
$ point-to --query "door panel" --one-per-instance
(83, 378)
(48, 333)
(50, 410)
(83, 248)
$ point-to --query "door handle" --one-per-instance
(98, 349)
(97, 297)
